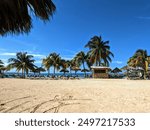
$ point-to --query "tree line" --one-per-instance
(99, 54)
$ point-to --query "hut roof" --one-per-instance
(64, 70)
(85, 70)
(116, 70)
(100, 67)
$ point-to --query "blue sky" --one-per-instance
(125, 23)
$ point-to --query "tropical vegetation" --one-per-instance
(140, 59)
(56, 61)
(99, 51)
(47, 63)
(15, 15)
(1, 66)
(99, 54)
(81, 58)
(23, 62)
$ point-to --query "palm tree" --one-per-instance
(47, 63)
(64, 64)
(99, 51)
(56, 61)
(81, 57)
(1, 66)
(70, 64)
(23, 62)
(75, 65)
(15, 14)
(88, 62)
(1, 63)
(140, 59)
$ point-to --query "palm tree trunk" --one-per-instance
(84, 69)
(18, 73)
(99, 63)
(22, 72)
(54, 70)
(96, 63)
(144, 74)
(70, 71)
(48, 72)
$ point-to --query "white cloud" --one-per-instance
(38, 62)
(38, 55)
(117, 62)
(7, 54)
(14, 54)
(66, 58)
(5, 61)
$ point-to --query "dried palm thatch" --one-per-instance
(15, 14)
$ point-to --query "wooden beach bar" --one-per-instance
(100, 71)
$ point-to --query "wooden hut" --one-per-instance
(100, 71)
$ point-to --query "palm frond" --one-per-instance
(15, 14)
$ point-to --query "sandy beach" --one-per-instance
(74, 96)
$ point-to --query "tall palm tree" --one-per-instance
(15, 14)
(81, 57)
(47, 63)
(56, 61)
(99, 51)
(23, 62)
(140, 59)
(88, 62)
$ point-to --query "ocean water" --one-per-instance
(13, 74)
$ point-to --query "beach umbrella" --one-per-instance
(116, 70)
(76, 69)
(64, 71)
(38, 70)
(15, 15)
(85, 70)
(3, 68)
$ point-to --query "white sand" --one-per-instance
(86, 95)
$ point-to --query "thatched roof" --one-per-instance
(116, 70)
(100, 67)
(85, 70)
(64, 70)
(15, 14)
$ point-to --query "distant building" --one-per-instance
(100, 71)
